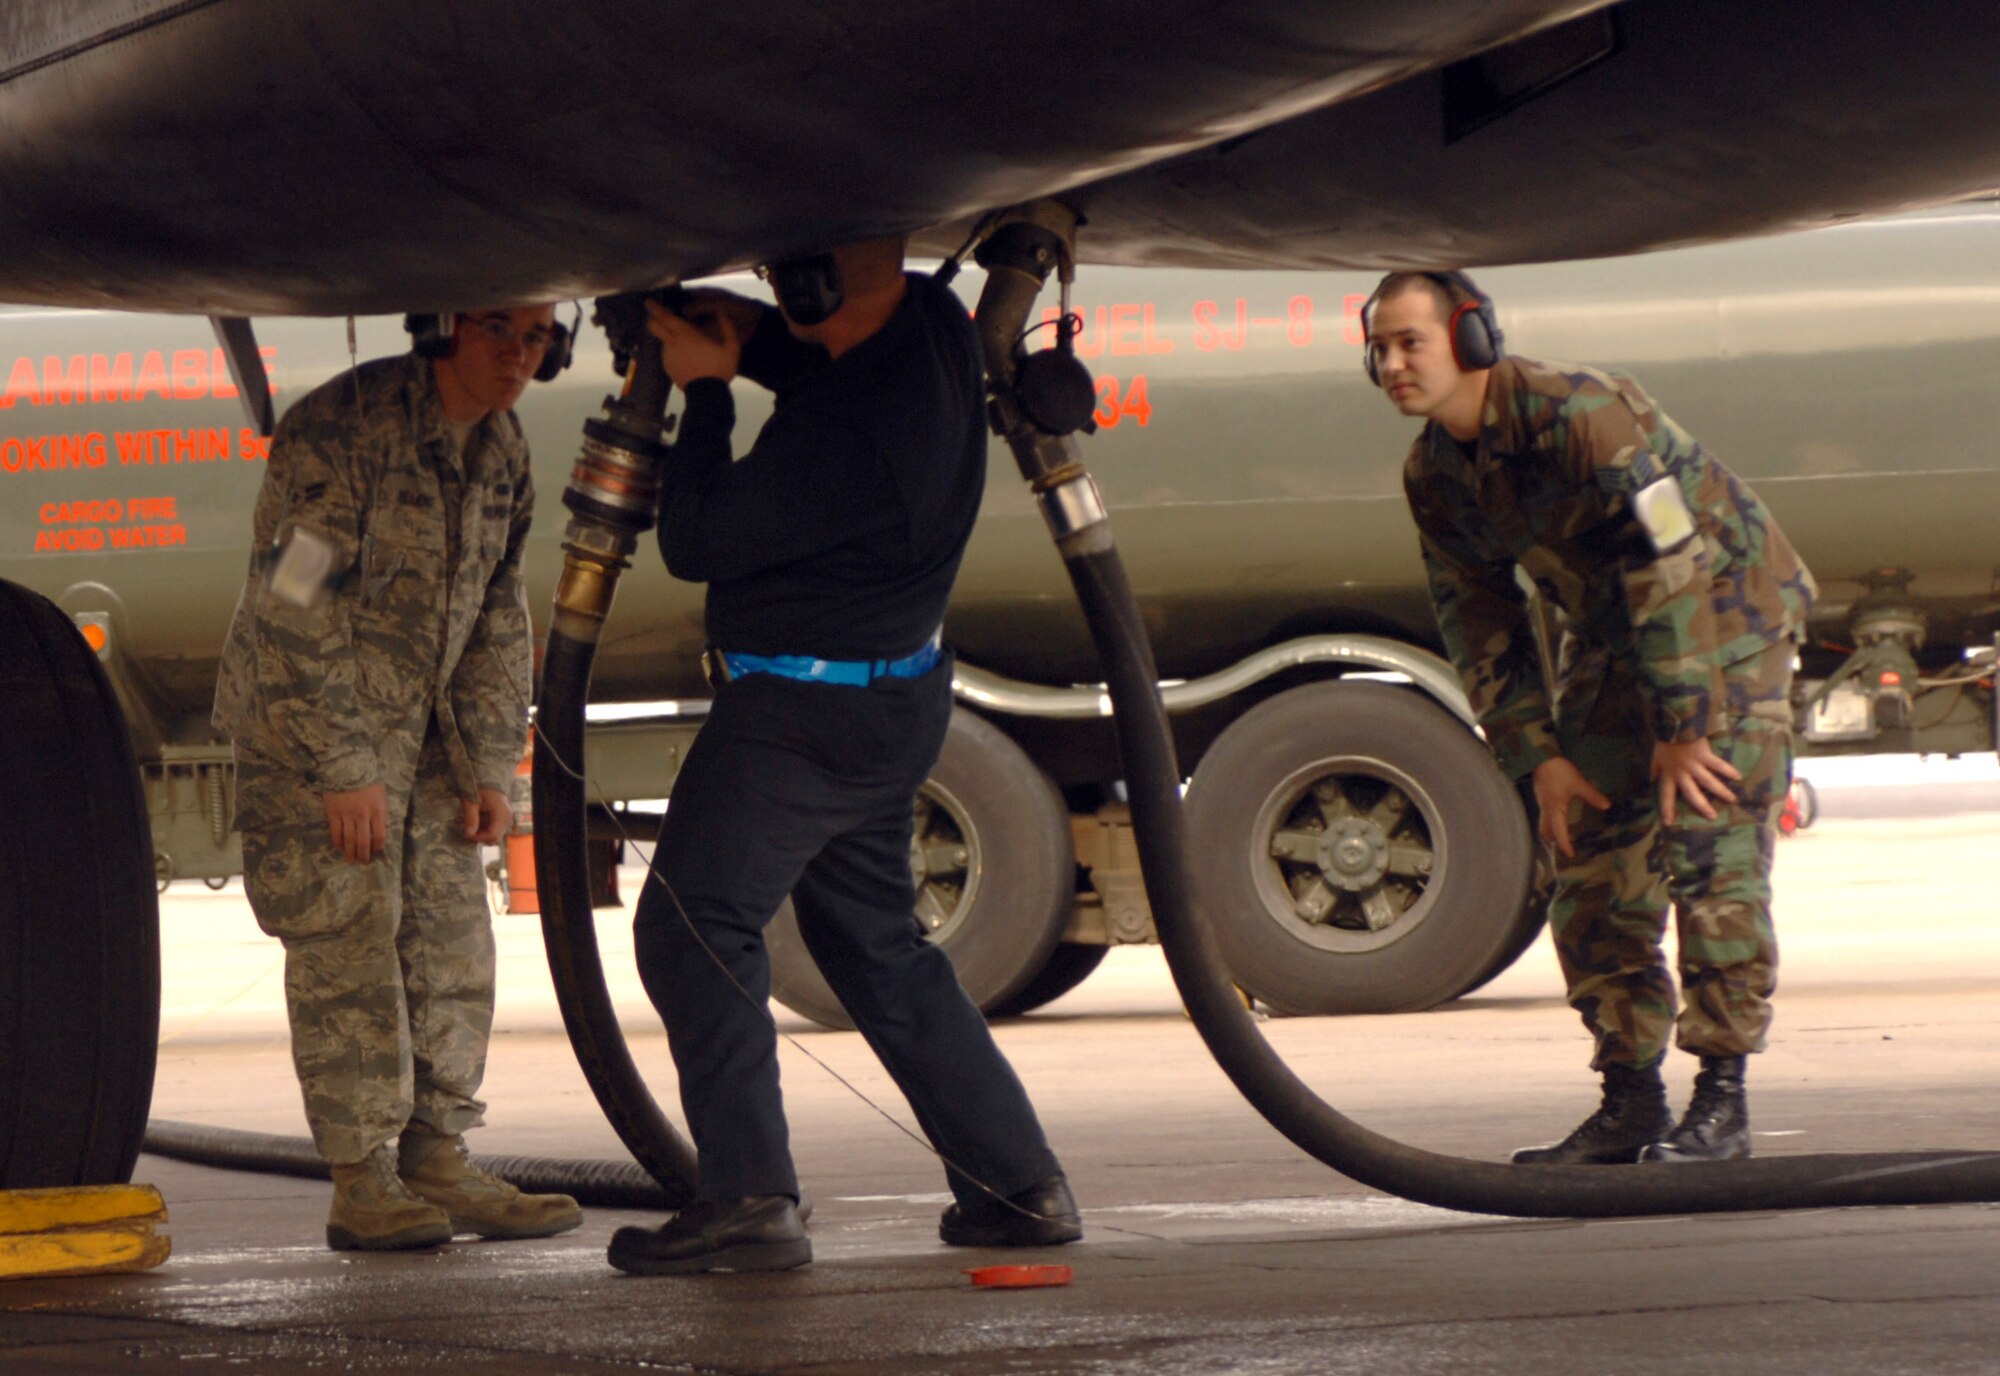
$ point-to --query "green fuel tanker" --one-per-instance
(1373, 857)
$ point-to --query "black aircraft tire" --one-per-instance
(1070, 964)
(997, 876)
(1356, 851)
(79, 916)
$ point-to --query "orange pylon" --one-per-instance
(522, 896)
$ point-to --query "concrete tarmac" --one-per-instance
(1212, 1245)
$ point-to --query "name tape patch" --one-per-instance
(300, 572)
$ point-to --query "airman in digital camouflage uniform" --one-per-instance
(375, 683)
(1661, 755)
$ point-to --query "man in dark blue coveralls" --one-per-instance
(829, 551)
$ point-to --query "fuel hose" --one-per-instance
(598, 1184)
(613, 496)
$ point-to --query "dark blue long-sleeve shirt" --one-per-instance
(839, 533)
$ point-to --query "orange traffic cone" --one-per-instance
(522, 896)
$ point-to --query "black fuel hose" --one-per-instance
(570, 930)
(598, 1184)
(1152, 781)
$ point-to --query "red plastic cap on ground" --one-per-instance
(1020, 1277)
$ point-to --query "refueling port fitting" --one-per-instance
(1019, 254)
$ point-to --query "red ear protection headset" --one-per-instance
(1474, 328)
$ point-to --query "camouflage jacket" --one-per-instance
(423, 610)
(1548, 489)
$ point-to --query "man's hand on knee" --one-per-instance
(358, 822)
(1692, 771)
(487, 820)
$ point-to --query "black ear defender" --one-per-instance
(1476, 338)
(808, 287)
(562, 347)
(1477, 341)
(433, 335)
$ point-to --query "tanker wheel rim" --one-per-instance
(947, 863)
(1348, 854)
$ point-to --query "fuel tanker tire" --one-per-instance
(1357, 851)
(79, 917)
(996, 870)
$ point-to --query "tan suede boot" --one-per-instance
(437, 1169)
(374, 1212)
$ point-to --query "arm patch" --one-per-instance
(1663, 514)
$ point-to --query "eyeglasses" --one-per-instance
(500, 332)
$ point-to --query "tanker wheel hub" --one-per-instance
(1353, 854)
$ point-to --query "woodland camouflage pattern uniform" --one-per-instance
(412, 669)
(1673, 647)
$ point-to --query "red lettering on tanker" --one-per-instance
(1133, 328)
(84, 526)
(1121, 330)
(1115, 406)
(1231, 327)
(101, 379)
(21, 454)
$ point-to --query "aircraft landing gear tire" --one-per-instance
(995, 869)
(1070, 964)
(1356, 851)
(79, 916)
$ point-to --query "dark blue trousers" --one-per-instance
(805, 788)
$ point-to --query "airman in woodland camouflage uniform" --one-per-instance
(375, 683)
(1678, 598)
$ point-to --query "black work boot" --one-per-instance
(1717, 1125)
(1633, 1114)
(757, 1233)
(1043, 1215)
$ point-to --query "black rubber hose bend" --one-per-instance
(570, 931)
(1152, 780)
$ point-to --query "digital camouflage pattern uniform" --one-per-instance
(1692, 643)
(413, 669)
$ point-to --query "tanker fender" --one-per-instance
(1427, 671)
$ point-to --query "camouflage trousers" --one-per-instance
(388, 966)
(1609, 910)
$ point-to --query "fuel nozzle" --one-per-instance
(614, 489)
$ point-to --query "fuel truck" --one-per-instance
(1374, 857)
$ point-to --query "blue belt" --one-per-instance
(855, 673)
